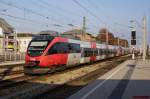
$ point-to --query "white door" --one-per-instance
(73, 59)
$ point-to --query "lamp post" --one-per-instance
(118, 41)
(107, 38)
(144, 36)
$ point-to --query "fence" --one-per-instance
(11, 56)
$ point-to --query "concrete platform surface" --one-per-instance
(129, 80)
(11, 63)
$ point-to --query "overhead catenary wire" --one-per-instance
(68, 12)
(45, 16)
(24, 9)
(28, 10)
(60, 10)
(87, 10)
(31, 11)
(29, 20)
(44, 5)
(107, 15)
(21, 18)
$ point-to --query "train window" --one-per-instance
(107, 51)
(74, 48)
(100, 51)
(36, 48)
(103, 51)
(113, 51)
(59, 48)
(95, 52)
(87, 52)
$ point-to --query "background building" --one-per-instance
(112, 40)
(78, 34)
(8, 35)
(1, 44)
(23, 40)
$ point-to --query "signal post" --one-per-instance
(133, 40)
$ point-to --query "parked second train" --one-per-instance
(47, 53)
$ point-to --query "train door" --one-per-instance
(103, 48)
(98, 57)
(85, 52)
(74, 54)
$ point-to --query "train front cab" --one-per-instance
(46, 59)
(59, 54)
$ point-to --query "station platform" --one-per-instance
(129, 80)
(11, 63)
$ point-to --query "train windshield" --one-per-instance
(36, 48)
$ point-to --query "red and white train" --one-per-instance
(47, 53)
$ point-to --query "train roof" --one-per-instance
(43, 37)
(82, 43)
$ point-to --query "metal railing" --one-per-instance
(11, 56)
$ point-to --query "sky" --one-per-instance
(116, 15)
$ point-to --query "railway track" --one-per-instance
(49, 84)
(14, 81)
(69, 88)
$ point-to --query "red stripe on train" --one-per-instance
(93, 58)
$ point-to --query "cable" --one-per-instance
(25, 9)
(22, 8)
(41, 5)
(20, 18)
(32, 21)
(97, 7)
(91, 13)
(29, 10)
(61, 10)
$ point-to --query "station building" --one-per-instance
(7, 36)
(112, 40)
(23, 40)
(78, 34)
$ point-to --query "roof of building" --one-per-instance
(78, 31)
(7, 28)
(25, 34)
(74, 32)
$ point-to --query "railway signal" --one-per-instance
(133, 34)
(133, 42)
(133, 37)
